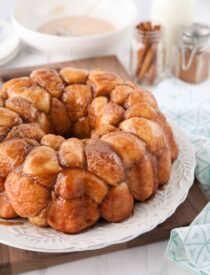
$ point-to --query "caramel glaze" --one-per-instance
(6, 223)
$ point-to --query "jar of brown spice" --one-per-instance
(148, 53)
(191, 58)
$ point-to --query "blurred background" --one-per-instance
(202, 9)
(29, 55)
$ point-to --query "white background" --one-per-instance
(144, 260)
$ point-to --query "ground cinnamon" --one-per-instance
(198, 70)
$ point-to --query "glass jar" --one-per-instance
(191, 58)
(148, 53)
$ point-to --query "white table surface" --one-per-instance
(144, 260)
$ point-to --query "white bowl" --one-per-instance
(28, 16)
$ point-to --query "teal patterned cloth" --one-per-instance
(189, 247)
(188, 106)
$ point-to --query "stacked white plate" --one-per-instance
(9, 42)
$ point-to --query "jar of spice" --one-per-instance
(148, 53)
(191, 59)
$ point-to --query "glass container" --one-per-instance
(148, 53)
(191, 58)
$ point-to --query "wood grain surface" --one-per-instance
(14, 261)
(110, 63)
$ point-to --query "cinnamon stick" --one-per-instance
(150, 54)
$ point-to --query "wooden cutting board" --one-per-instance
(14, 261)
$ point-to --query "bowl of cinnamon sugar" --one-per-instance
(78, 28)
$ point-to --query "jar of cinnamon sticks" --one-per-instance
(148, 53)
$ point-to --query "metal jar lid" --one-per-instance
(196, 33)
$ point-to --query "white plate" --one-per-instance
(146, 215)
(27, 18)
(9, 42)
